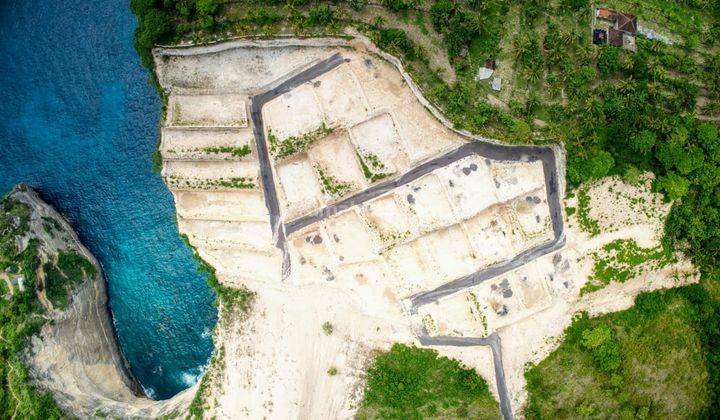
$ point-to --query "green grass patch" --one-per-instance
(622, 260)
(645, 362)
(371, 166)
(587, 224)
(234, 151)
(331, 185)
(414, 383)
(197, 407)
(295, 144)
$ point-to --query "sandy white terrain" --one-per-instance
(357, 266)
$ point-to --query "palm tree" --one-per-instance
(477, 23)
(533, 74)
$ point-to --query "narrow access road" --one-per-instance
(493, 340)
(266, 172)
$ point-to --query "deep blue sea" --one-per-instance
(79, 121)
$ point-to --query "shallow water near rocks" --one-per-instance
(79, 122)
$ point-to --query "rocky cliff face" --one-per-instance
(76, 356)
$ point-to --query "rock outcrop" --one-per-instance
(76, 355)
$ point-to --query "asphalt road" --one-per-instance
(266, 173)
(493, 340)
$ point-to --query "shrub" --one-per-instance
(674, 185)
(327, 328)
(609, 59)
(604, 347)
(141, 7)
(409, 382)
(440, 14)
(206, 7)
(320, 16)
(396, 41)
(595, 166)
(643, 141)
(398, 5)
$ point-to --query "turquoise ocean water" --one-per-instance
(79, 121)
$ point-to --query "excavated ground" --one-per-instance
(358, 205)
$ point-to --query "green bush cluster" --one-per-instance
(20, 318)
(462, 23)
(604, 347)
(414, 383)
(610, 366)
(160, 20)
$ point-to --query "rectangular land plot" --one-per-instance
(311, 255)
(377, 139)
(422, 136)
(499, 301)
(533, 292)
(515, 178)
(388, 217)
(335, 156)
(449, 254)
(350, 237)
(244, 263)
(311, 248)
(532, 213)
(491, 237)
(216, 110)
(222, 205)
(293, 114)
(301, 189)
(341, 97)
(210, 169)
(470, 186)
(383, 86)
(408, 268)
(427, 202)
(456, 315)
(218, 233)
(204, 144)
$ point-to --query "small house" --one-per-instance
(19, 282)
(496, 83)
(626, 23)
(599, 37)
(619, 28)
(486, 71)
(615, 37)
(606, 14)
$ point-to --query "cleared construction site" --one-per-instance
(319, 167)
